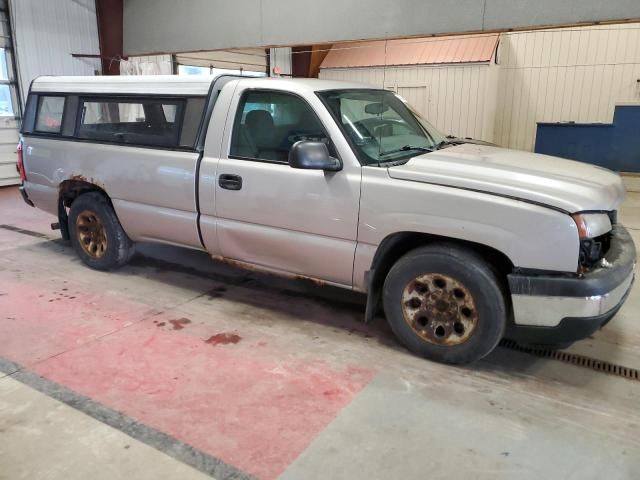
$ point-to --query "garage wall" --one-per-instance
(8, 143)
(458, 99)
(9, 109)
(578, 75)
(47, 32)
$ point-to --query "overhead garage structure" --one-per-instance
(166, 26)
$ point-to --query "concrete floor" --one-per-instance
(176, 367)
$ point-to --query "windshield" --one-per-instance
(380, 125)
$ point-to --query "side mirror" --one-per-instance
(312, 156)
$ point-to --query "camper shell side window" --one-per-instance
(49, 114)
(135, 121)
(140, 120)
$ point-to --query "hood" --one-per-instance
(565, 184)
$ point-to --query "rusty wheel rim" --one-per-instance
(439, 309)
(92, 235)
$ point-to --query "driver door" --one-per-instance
(300, 222)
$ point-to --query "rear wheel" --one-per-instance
(445, 303)
(96, 234)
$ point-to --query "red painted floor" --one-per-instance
(13, 211)
(244, 402)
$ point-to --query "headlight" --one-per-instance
(592, 225)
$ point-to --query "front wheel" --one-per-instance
(445, 303)
(96, 234)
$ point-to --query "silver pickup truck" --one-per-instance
(462, 244)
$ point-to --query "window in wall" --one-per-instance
(198, 70)
(150, 122)
(6, 106)
(49, 116)
(268, 123)
(191, 70)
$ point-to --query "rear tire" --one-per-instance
(446, 303)
(96, 234)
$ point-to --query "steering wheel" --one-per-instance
(367, 132)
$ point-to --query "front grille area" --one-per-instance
(592, 250)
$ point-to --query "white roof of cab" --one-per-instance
(149, 84)
(304, 84)
(172, 84)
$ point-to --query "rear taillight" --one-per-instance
(20, 164)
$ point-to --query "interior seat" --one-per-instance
(261, 128)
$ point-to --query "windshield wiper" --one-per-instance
(407, 148)
(444, 143)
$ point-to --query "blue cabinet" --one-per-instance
(615, 146)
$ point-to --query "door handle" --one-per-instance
(230, 182)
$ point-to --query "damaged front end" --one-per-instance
(592, 252)
(595, 232)
(560, 308)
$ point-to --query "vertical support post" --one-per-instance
(110, 16)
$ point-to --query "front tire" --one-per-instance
(445, 303)
(96, 234)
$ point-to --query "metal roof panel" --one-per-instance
(413, 51)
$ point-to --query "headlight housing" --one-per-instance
(592, 225)
(594, 230)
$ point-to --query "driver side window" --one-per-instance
(268, 123)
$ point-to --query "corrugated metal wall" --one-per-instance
(47, 32)
(8, 143)
(458, 99)
(576, 74)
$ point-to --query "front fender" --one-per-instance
(530, 235)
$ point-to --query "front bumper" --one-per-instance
(555, 309)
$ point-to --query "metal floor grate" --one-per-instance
(575, 359)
